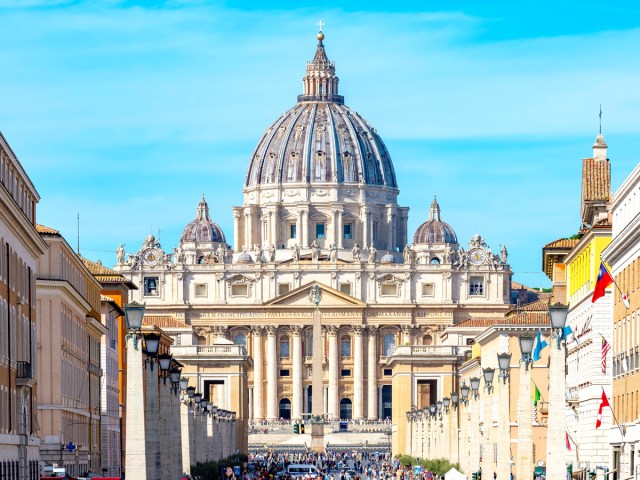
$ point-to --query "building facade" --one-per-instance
(623, 254)
(20, 248)
(69, 361)
(320, 208)
(587, 376)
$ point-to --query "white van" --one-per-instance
(302, 469)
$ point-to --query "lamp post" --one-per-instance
(556, 461)
(503, 468)
(134, 313)
(488, 466)
(524, 467)
(474, 428)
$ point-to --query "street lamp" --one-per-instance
(446, 401)
(526, 347)
(432, 410)
(504, 364)
(455, 398)
(134, 313)
(464, 391)
(165, 363)
(174, 376)
(558, 318)
(488, 374)
(475, 387)
(150, 347)
(439, 407)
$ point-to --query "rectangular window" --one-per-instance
(151, 286)
(283, 288)
(374, 232)
(285, 373)
(320, 231)
(387, 372)
(346, 231)
(240, 290)
(345, 288)
(476, 286)
(201, 289)
(428, 289)
(284, 347)
(345, 372)
(389, 290)
(293, 230)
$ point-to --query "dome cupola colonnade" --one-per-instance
(320, 173)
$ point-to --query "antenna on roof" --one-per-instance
(78, 228)
(600, 115)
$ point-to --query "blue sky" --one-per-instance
(127, 111)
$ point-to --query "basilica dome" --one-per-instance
(202, 229)
(320, 140)
(434, 230)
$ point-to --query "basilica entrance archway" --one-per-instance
(285, 409)
(345, 409)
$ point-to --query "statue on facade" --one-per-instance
(503, 254)
(355, 251)
(447, 254)
(372, 254)
(120, 254)
(257, 251)
(295, 252)
(220, 253)
(333, 252)
(272, 253)
(315, 251)
(406, 254)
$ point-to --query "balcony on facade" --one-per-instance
(426, 353)
(24, 374)
(209, 351)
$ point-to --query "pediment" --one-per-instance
(331, 298)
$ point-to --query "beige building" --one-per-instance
(321, 208)
(69, 357)
(20, 248)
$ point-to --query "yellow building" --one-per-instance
(20, 248)
(69, 336)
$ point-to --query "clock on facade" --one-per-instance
(151, 256)
(477, 256)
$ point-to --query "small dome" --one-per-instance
(244, 257)
(387, 258)
(434, 230)
(202, 229)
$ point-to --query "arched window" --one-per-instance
(388, 344)
(435, 261)
(345, 346)
(345, 409)
(427, 340)
(240, 339)
(284, 347)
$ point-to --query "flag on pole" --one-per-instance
(567, 441)
(625, 300)
(603, 403)
(604, 280)
(540, 344)
(603, 356)
(536, 395)
(566, 332)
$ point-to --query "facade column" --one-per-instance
(296, 342)
(474, 433)
(166, 459)
(410, 431)
(390, 222)
(340, 229)
(258, 378)
(524, 468)
(273, 218)
(136, 454)
(406, 334)
(325, 398)
(487, 445)
(298, 240)
(365, 227)
(557, 424)
(333, 409)
(247, 230)
(236, 231)
(305, 229)
(372, 370)
(334, 228)
(358, 372)
(272, 373)
(503, 465)
(454, 437)
(176, 434)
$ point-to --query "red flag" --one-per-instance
(567, 440)
(604, 280)
(603, 403)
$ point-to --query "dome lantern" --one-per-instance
(320, 82)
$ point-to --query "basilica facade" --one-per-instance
(321, 208)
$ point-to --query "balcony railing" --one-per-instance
(209, 350)
(428, 351)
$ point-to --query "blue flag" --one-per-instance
(566, 332)
(539, 345)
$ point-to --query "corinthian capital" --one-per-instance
(296, 330)
(257, 329)
(357, 329)
(332, 329)
(271, 329)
